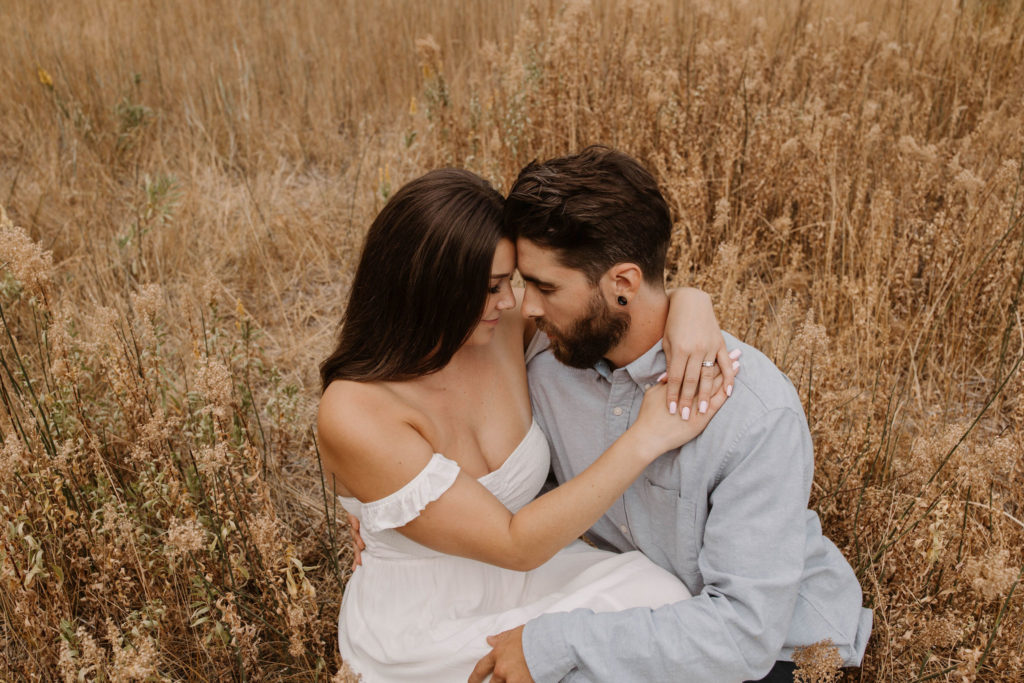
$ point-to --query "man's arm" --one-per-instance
(751, 561)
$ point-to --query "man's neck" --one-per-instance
(648, 314)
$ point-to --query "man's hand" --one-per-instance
(506, 660)
(358, 546)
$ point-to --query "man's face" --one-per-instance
(571, 310)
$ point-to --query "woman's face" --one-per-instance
(499, 293)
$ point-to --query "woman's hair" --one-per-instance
(421, 283)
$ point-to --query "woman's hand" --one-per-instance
(692, 337)
(661, 431)
(358, 546)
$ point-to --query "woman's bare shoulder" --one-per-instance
(367, 440)
(353, 415)
(343, 395)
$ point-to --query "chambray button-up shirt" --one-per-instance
(727, 514)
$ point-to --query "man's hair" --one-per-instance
(421, 283)
(596, 208)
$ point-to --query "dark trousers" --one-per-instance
(782, 672)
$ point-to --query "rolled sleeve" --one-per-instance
(547, 653)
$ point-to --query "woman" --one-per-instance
(426, 434)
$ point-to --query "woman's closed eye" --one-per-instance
(495, 288)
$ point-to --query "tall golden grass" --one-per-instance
(192, 181)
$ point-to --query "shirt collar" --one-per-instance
(644, 370)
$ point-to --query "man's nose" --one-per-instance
(531, 307)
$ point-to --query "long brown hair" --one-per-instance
(421, 283)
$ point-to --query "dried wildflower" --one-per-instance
(148, 300)
(968, 181)
(928, 452)
(939, 632)
(66, 663)
(146, 303)
(65, 455)
(782, 226)
(211, 460)
(298, 619)
(209, 289)
(27, 261)
(721, 215)
(63, 365)
(117, 525)
(159, 428)
(1007, 175)
(992, 574)
(185, 536)
(83, 659)
(967, 668)
(267, 534)
(244, 636)
(214, 383)
(811, 339)
(345, 674)
(135, 657)
(12, 458)
(429, 54)
(817, 663)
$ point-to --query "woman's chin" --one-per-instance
(483, 334)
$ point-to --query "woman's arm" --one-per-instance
(692, 336)
(373, 454)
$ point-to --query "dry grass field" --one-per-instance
(185, 188)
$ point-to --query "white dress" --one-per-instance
(410, 613)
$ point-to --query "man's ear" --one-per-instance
(621, 282)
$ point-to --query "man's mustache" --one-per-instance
(544, 326)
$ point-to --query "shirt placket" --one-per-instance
(618, 412)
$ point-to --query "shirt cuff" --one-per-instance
(548, 655)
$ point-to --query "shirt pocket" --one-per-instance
(668, 534)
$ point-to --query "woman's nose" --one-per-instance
(507, 301)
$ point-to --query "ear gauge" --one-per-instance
(622, 300)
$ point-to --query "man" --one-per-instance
(727, 513)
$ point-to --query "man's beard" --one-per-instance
(589, 337)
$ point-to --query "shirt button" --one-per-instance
(624, 530)
(648, 385)
(617, 411)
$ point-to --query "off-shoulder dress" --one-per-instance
(410, 613)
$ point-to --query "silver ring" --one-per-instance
(707, 363)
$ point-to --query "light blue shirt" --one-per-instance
(727, 514)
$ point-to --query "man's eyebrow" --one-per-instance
(536, 281)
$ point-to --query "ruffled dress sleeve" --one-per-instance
(405, 504)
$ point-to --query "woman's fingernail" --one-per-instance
(661, 377)
(672, 407)
(735, 365)
(686, 412)
(728, 390)
(703, 407)
(735, 353)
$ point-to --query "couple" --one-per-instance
(432, 440)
